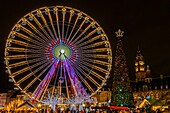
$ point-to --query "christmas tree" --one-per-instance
(121, 91)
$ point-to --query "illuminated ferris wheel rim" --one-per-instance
(48, 43)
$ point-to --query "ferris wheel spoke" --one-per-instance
(30, 51)
(77, 86)
(16, 49)
(94, 67)
(19, 50)
(43, 93)
(61, 76)
(51, 22)
(51, 36)
(78, 30)
(32, 46)
(17, 64)
(29, 85)
(25, 69)
(64, 13)
(37, 64)
(54, 85)
(100, 62)
(70, 77)
(24, 78)
(20, 71)
(98, 50)
(84, 66)
(46, 65)
(87, 84)
(14, 57)
(39, 75)
(69, 22)
(21, 43)
(81, 34)
(23, 37)
(40, 26)
(89, 41)
(35, 60)
(86, 36)
(34, 55)
(45, 82)
(96, 56)
(57, 20)
(67, 90)
(34, 29)
(92, 45)
(24, 44)
(83, 80)
(87, 75)
(79, 14)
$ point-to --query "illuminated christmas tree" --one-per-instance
(121, 91)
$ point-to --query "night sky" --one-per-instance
(146, 24)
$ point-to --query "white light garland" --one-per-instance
(58, 100)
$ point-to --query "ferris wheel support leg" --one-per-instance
(75, 83)
(45, 82)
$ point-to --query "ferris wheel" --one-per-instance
(58, 50)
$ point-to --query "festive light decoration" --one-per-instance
(121, 92)
(61, 100)
(58, 49)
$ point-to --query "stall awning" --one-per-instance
(97, 107)
(118, 107)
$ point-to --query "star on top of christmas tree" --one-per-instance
(119, 33)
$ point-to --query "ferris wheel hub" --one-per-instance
(62, 51)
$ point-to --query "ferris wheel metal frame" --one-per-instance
(58, 51)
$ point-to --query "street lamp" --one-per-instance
(62, 108)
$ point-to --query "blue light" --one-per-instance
(23, 23)
(106, 46)
(54, 12)
(72, 14)
(64, 12)
(17, 29)
(12, 36)
(148, 97)
(103, 38)
(37, 15)
(46, 13)
(93, 26)
(87, 21)
(80, 17)
(30, 19)
(98, 32)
